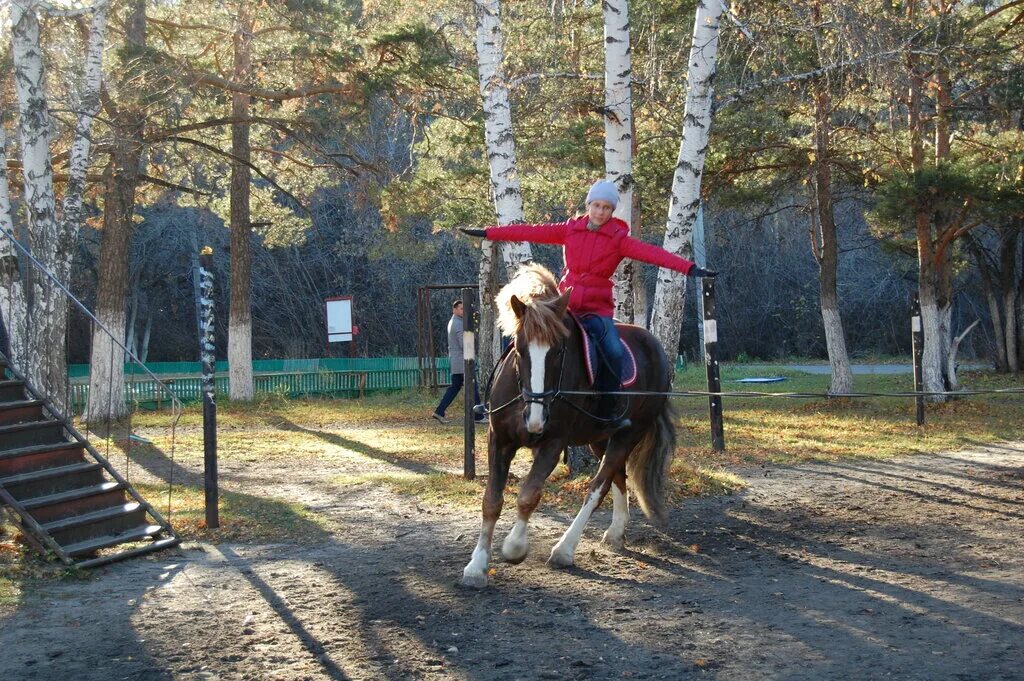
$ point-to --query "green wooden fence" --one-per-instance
(342, 378)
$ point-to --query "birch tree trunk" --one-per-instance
(121, 178)
(88, 107)
(501, 160)
(669, 294)
(43, 356)
(618, 136)
(240, 321)
(12, 295)
(52, 242)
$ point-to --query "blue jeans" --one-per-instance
(609, 351)
(452, 391)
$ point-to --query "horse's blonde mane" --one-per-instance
(537, 289)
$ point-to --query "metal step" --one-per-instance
(20, 411)
(158, 545)
(18, 435)
(27, 459)
(12, 391)
(74, 502)
(109, 521)
(45, 473)
(97, 543)
(53, 480)
(104, 514)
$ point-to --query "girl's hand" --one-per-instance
(701, 272)
(482, 233)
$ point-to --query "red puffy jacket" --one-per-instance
(591, 257)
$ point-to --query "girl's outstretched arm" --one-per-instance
(549, 233)
(644, 252)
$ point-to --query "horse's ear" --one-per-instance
(517, 306)
(562, 303)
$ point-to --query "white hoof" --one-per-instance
(514, 551)
(474, 579)
(560, 558)
(617, 542)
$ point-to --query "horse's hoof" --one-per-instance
(514, 553)
(558, 559)
(616, 543)
(474, 580)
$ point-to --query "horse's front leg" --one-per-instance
(499, 459)
(545, 458)
(615, 535)
(612, 464)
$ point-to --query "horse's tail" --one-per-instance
(647, 467)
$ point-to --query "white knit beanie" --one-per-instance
(603, 190)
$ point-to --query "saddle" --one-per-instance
(592, 361)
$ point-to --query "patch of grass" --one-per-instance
(243, 517)
(787, 430)
(431, 488)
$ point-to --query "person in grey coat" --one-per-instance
(458, 365)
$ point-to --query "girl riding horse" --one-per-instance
(593, 246)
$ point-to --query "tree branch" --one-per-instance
(229, 155)
(171, 185)
(273, 95)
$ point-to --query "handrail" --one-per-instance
(177, 405)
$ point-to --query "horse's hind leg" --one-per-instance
(615, 535)
(613, 464)
(499, 461)
(516, 544)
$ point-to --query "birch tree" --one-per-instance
(52, 238)
(12, 296)
(618, 139)
(669, 294)
(501, 160)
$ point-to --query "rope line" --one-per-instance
(704, 393)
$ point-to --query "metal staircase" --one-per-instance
(65, 497)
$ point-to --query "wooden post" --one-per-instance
(917, 342)
(707, 286)
(469, 385)
(208, 357)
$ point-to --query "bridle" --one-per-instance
(545, 398)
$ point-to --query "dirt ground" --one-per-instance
(909, 568)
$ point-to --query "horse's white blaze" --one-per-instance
(564, 551)
(620, 514)
(535, 416)
(516, 544)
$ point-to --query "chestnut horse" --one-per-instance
(528, 408)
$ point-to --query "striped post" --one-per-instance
(208, 357)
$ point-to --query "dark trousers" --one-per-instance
(453, 390)
(609, 351)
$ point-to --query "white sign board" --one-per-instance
(339, 319)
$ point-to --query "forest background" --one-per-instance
(329, 148)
